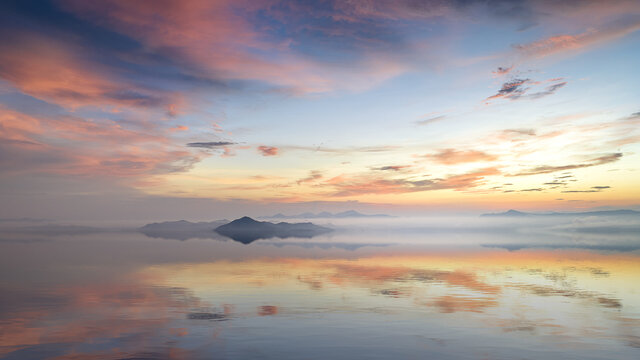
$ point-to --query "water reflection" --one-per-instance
(177, 300)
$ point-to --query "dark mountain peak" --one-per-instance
(348, 213)
(247, 230)
(245, 220)
(509, 213)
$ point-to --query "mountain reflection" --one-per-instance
(454, 301)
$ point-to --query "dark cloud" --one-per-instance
(536, 189)
(545, 169)
(548, 91)
(518, 89)
(592, 190)
(512, 89)
(580, 191)
(392, 167)
(211, 144)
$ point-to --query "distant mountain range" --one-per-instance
(328, 215)
(515, 213)
(247, 230)
(244, 230)
(182, 229)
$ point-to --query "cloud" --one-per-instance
(313, 176)
(455, 303)
(344, 150)
(518, 89)
(452, 156)
(580, 191)
(546, 169)
(511, 89)
(179, 128)
(592, 190)
(63, 73)
(211, 144)
(77, 146)
(548, 90)
(372, 184)
(503, 70)
(571, 43)
(430, 120)
(392, 168)
(268, 150)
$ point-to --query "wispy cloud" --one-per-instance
(431, 120)
(314, 175)
(519, 89)
(512, 89)
(452, 156)
(571, 43)
(391, 168)
(345, 186)
(545, 169)
(211, 144)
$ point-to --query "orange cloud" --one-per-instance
(377, 184)
(179, 128)
(455, 303)
(452, 156)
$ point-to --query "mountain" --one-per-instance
(510, 213)
(515, 213)
(182, 229)
(328, 215)
(247, 230)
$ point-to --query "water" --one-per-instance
(352, 294)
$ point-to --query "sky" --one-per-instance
(205, 109)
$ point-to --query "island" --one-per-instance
(182, 229)
(247, 230)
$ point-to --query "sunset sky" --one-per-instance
(209, 109)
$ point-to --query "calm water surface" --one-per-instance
(345, 296)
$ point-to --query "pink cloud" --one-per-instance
(76, 146)
(58, 72)
(572, 43)
(268, 150)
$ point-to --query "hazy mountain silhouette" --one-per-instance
(247, 230)
(515, 213)
(182, 229)
(328, 215)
